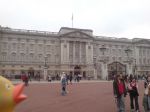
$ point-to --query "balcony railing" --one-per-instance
(7, 29)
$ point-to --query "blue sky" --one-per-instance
(114, 18)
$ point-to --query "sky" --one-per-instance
(112, 18)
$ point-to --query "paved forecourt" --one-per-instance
(87, 96)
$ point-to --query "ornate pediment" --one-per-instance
(77, 34)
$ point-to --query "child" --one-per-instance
(63, 84)
(49, 78)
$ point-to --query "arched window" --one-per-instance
(49, 57)
(13, 56)
(31, 57)
(39, 57)
(22, 57)
(4, 55)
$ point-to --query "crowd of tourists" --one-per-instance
(128, 85)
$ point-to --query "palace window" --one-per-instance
(36, 41)
(4, 55)
(140, 61)
(40, 57)
(113, 58)
(65, 46)
(14, 46)
(44, 41)
(31, 46)
(144, 61)
(48, 57)
(12, 71)
(53, 41)
(27, 40)
(89, 47)
(3, 72)
(31, 56)
(13, 56)
(13, 65)
(148, 61)
(143, 52)
(22, 57)
(4, 45)
(40, 47)
(48, 48)
(22, 46)
(120, 59)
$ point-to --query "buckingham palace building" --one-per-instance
(73, 51)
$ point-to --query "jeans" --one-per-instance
(120, 104)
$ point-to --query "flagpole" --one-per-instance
(72, 20)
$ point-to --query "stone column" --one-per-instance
(67, 52)
(80, 53)
(62, 50)
(45, 73)
(73, 51)
(104, 71)
(129, 68)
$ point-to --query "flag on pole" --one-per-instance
(72, 16)
(72, 20)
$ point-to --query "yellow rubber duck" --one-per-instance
(10, 95)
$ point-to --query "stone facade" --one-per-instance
(71, 50)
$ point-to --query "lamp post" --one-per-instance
(45, 60)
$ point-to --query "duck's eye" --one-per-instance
(7, 86)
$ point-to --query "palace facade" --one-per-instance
(71, 50)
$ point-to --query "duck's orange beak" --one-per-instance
(17, 94)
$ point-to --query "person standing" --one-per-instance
(29, 77)
(133, 93)
(63, 84)
(146, 81)
(49, 78)
(39, 76)
(67, 78)
(119, 92)
(146, 99)
(25, 79)
(70, 78)
(57, 77)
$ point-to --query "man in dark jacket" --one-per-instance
(119, 92)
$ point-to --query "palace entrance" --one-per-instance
(116, 68)
(77, 70)
(31, 72)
